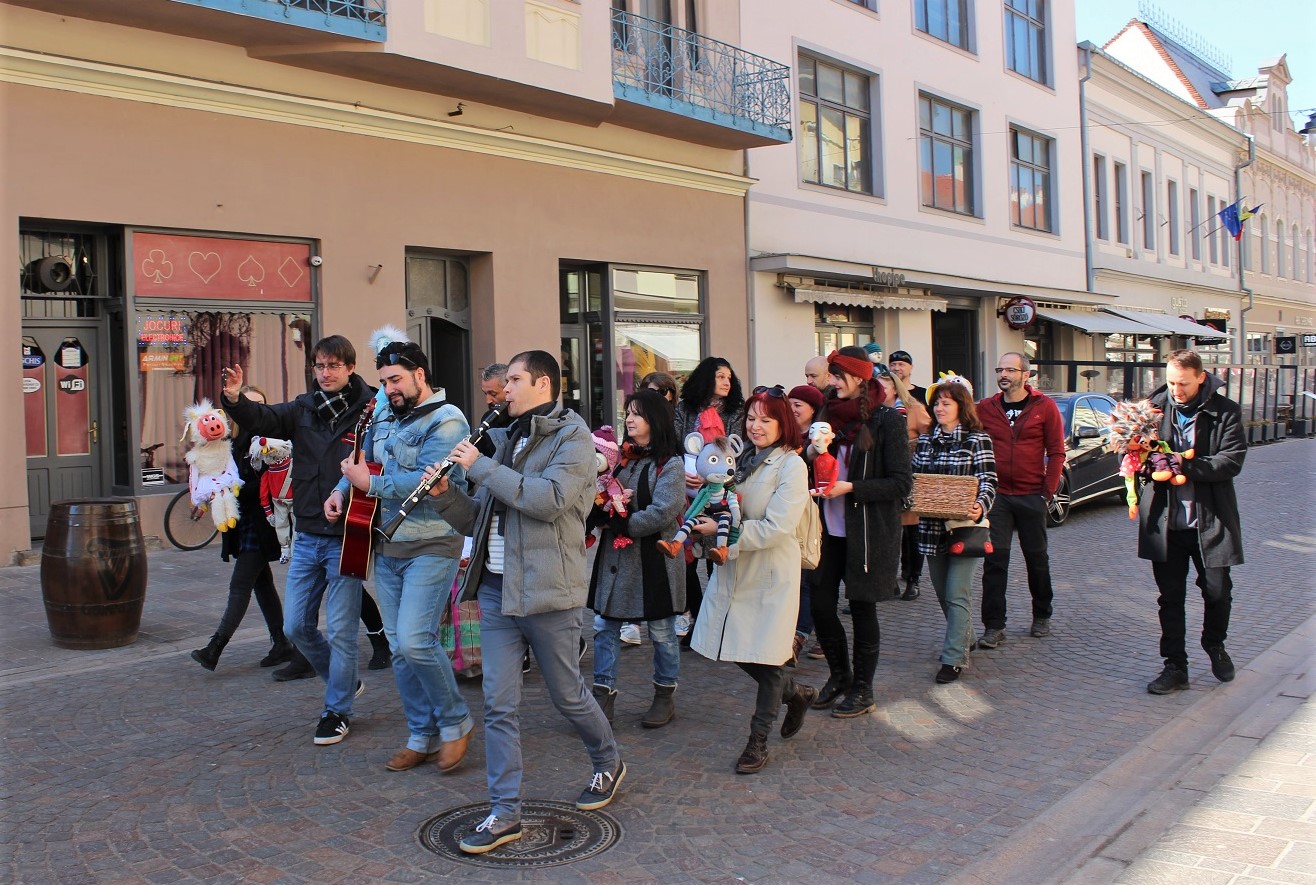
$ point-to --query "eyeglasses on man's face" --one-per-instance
(329, 367)
(1008, 371)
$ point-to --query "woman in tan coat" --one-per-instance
(753, 600)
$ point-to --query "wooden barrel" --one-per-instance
(93, 572)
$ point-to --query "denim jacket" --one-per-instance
(405, 447)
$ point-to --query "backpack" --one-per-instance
(808, 532)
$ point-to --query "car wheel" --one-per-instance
(1057, 511)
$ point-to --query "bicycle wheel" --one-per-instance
(182, 530)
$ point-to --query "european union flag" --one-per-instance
(1232, 223)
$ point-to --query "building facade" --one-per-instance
(193, 184)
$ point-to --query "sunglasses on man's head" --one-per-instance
(776, 391)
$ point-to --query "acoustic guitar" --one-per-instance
(362, 511)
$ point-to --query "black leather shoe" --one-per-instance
(911, 590)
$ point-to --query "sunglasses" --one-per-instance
(776, 391)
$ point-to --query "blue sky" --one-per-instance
(1245, 31)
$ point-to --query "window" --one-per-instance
(1148, 212)
(1265, 245)
(946, 155)
(1279, 248)
(1030, 180)
(836, 326)
(1099, 197)
(834, 124)
(1213, 249)
(947, 20)
(1121, 204)
(1195, 220)
(1295, 266)
(866, 4)
(1172, 214)
(1225, 241)
(1025, 38)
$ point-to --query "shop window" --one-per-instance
(839, 325)
(179, 358)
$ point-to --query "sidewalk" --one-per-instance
(1046, 762)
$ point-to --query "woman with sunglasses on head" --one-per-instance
(957, 446)
(861, 534)
(750, 608)
(713, 404)
(632, 579)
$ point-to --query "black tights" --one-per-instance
(825, 593)
(251, 574)
(774, 684)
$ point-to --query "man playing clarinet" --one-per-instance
(414, 571)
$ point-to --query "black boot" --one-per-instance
(280, 652)
(663, 708)
(382, 659)
(798, 702)
(859, 699)
(606, 698)
(298, 668)
(754, 756)
(834, 648)
(208, 657)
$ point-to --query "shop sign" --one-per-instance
(166, 361)
(888, 278)
(1309, 340)
(1286, 344)
(153, 476)
(180, 266)
(1019, 312)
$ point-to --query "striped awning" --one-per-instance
(865, 298)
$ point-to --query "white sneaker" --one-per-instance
(683, 625)
(630, 634)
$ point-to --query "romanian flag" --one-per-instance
(1232, 218)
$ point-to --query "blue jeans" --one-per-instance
(607, 645)
(952, 578)
(313, 577)
(554, 637)
(412, 594)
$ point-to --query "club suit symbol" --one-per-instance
(250, 271)
(206, 265)
(156, 266)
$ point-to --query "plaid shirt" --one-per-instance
(958, 453)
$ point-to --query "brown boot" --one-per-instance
(754, 756)
(407, 759)
(671, 548)
(796, 706)
(451, 753)
(663, 709)
(606, 698)
(717, 555)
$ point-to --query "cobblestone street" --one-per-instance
(1046, 761)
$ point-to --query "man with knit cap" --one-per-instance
(902, 366)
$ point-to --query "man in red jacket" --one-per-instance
(1028, 440)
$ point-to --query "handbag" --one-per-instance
(459, 633)
(968, 538)
(808, 532)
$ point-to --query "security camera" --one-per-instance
(316, 261)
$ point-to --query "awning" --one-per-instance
(1095, 323)
(1169, 324)
(865, 298)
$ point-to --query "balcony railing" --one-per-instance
(659, 65)
(357, 18)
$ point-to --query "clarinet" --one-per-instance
(386, 533)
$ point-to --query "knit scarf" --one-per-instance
(332, 406)
(843, 414)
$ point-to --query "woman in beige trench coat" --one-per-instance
(752, 602)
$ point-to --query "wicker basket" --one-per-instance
(944, 497)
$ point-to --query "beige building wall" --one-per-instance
(95, 133)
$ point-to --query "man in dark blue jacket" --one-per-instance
(1196, 522)
(321, 425)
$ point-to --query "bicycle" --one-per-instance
(185, 530)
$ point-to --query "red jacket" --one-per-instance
(1030, 456)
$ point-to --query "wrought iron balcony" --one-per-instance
(353, 18)
(672, 69)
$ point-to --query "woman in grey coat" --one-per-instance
(633, 580)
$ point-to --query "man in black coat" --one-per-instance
(321, 425)
(1196, 522)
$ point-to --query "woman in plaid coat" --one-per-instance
(956, 446)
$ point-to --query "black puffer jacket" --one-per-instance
(317, 448)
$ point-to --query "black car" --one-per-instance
(1091, 468)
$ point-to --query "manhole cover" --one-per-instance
(552, 833)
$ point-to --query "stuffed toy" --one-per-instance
(947, 378)
(212, 474)
(709, 427)
(609, 495)
(273, 457)
(825, 468)
(1135, 437)
(715, 464)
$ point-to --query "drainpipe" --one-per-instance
(1242, 285)
(751, 320)
(1087, 48)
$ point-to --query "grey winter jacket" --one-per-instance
(1219, 448)
(548, 491)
